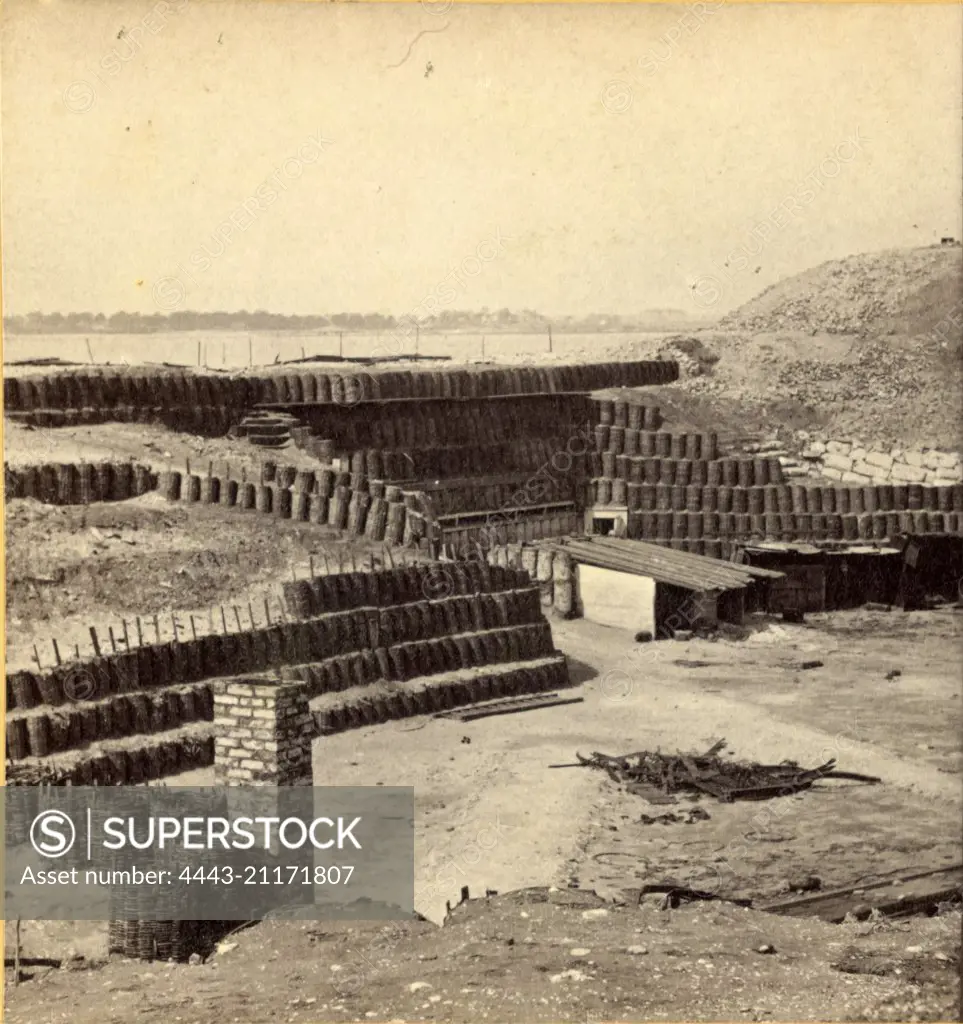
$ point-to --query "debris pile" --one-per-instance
(661, 776)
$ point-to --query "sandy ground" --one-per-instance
(493, 814)
(106, 564)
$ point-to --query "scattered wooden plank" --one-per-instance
(508, 706)
(899, 896)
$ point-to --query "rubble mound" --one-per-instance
(898, 291)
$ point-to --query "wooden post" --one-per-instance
(267, 611)
(140, 634)
(113, 644)
(126, 635)
(156, 629)
(90, 351)
(193, 628)
(250, 611)
(36, 656)
(77, 651)
(550, 337)
(223, 619)
(56, 651)
(237, 618)
(311, 566)
(174, 624)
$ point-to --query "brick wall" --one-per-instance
(263, 732)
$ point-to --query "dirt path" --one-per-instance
(492, 814)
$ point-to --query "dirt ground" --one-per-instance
(73, 567)
(492, 814)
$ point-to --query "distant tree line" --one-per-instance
(452, 320)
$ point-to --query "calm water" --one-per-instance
(231, 350)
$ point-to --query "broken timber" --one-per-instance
(906, 893)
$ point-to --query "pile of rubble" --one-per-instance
(871, 293)
(657, 776)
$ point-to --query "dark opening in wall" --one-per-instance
(602, 526)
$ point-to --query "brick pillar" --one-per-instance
(262, 733)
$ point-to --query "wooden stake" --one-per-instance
(311, 566)
(113, 643)
(237, 618)
(223, 619)
(267, 611)
(56, 651)
(36, 656)
(156, 629)
(126, 635)
(174, 624)
(193, 628)
(140, 634)
(77, 651)
(327, 568)
(250, 611)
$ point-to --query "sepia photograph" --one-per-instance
(483, 511)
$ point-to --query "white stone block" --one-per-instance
(835, 460)
(880, 460)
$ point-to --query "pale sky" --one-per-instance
(567, 159)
